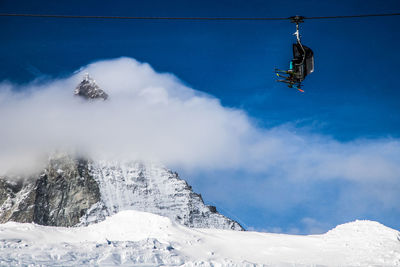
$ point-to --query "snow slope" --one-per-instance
(144, 239)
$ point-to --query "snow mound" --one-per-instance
(130, 225)
(139, 238)
(362, 229)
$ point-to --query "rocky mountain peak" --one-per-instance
(89, 89)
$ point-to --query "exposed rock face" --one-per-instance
(89, 89)
(64, 192)
(73, 192)
(59, 196)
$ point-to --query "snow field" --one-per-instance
(137, 238)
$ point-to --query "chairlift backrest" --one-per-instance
(305, 56)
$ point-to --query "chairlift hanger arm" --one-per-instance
(297, 19)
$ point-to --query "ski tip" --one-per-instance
(301, 90)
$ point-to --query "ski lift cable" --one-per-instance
(189, 18)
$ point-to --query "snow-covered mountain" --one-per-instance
(133, 238)
(71, 192)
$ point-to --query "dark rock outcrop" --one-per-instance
(17, 199)
(58, 196)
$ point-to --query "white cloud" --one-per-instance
(155, 116)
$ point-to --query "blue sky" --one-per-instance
(352, 95)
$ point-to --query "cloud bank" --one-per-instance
(154, 116)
